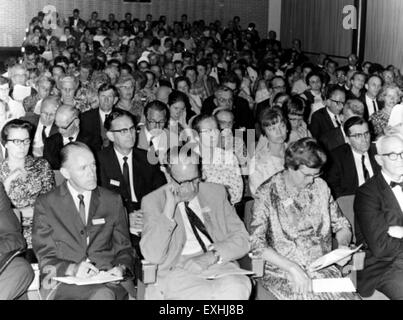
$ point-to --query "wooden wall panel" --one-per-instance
(319, 25)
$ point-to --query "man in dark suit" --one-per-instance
(357, 86)
(371, 102)
(224, 98)
(18, 275)
(80, 229)
(75, 21)
(337, 136)
(68, 123)
(327, 118)
(352, 164)
(143, 177)
(44, 124)
(92, 121)
(353, 64)
(378, 210)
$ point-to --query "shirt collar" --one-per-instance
(74, 193)
(120, 156)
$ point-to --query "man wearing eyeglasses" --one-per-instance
(124, 168)
(353, 163)
(92, 121)
(328, 118)
(68, 124)
(193, 233)
(378, 208)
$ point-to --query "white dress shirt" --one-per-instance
(87, 199)
(370, 105)
(103, 115)
(358, 166)
(396, 190)
(192, 245)
(333, 117)
(130, 164)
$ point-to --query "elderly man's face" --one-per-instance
(392, 145)
(48, 113)
(67, 123)
(80, 170)
(225, 120)
(126, 90)
(68, 90)
(224, 99)
(186, 180)
(155, 121)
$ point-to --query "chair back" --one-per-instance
(346, 205)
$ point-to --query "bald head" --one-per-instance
(48, 110)
(388, 144)
(67, 120)
(225, 119)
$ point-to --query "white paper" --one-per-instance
(333, 285)
(101, 277)
(331, 258)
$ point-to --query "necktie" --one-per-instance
(126, 178)
(375, 107)
(338, 124)
(81, 207)
(44, 134)
(197, 226)
(364, 168)
(395, 184)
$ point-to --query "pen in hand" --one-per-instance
(86, 270)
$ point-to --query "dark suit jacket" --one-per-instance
(242, 113)
(376, 209)
(34, 120)
(80, 21)
(10, 228)
(146, 177)
(59, 236)
(342, 177)
(332, 139)
(90, 126)
(320, 123)
(53, 146)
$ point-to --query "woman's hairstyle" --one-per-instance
(305, 152)
(313, 74)
(385, 89)
(270, 116)
(15, 124)
(177, 96)
(295, 106)
(180, 79)
(115, 114)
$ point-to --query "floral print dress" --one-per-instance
(24, 190)
(298, 226)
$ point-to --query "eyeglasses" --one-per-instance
(186, 182)
(393, 156)
(223, 100)
(68, 126)
(157, 123)
(208, 131)
(19, 142)
(313, 176)
(124, 131)
(338, 102)
(360, 135)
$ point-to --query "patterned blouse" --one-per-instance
(24, 190)
(222, 167)
(263, 165)
(298, 226)
(380, 121)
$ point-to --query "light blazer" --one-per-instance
(162, 239)
(171, 140)
(376, 209)
(59, 237)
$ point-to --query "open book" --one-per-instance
(333, 285)
(331, 258)
(101, 277)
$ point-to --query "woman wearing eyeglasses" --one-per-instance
(24, 177)
(294, 217)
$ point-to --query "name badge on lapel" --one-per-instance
(96, 222)
(115, 183)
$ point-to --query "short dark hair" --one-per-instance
(270, 116)
(180, 79)
(177, 96)
(107, 86)
(334, 89)
(15, 124)
(115, 114)
(305, 151)
(201, 117)
(157, 106)
(313, 74)
(351, 122)
(295, 106)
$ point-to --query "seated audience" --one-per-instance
(294, 217)
(295, 114)
(187, 246)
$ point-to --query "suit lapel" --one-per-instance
(138, 184)
(94, 203)
(350, 165)
(389, 196)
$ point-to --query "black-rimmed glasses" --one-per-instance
(186, 182)
(124, 131)
(19, 142)
(68, 126)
